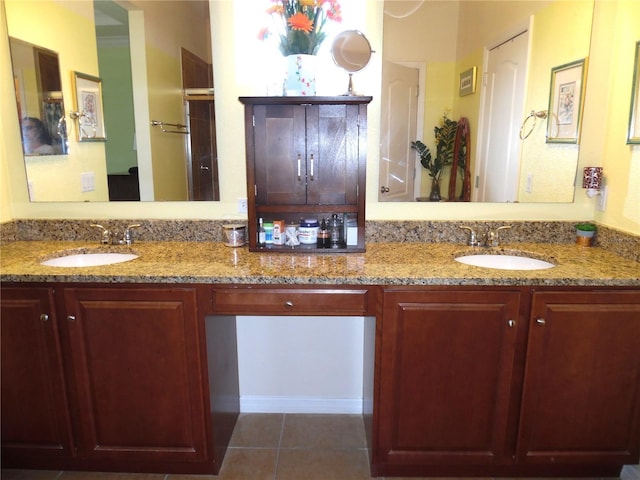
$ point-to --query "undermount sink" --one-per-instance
(89, 259)
(504, 262)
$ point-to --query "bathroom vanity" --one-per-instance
(467, 371)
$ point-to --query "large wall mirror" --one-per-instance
(489, 62)
(150, 61)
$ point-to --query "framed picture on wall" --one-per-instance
(565, 102)
(88, 113)
(467, 84)
(633, 137)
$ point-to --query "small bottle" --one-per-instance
(262, 234)
(268, 233)
(335, 231)
(323, 235)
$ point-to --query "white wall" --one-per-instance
(300, 364)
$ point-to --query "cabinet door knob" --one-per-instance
(71, 318)
(311, 170)
(44, 317)
(299, 166)
(541, 321)
(288, 304)
(384, 189)
(511, 323)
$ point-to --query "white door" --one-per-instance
(398, 128)
(497, 174)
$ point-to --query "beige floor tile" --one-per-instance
(67, 475)
(257, 430)
(249, 464)
(323, 465)
(323, 431)
(630, 472)
(10, 474)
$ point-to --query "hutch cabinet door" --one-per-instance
(138, 375)
(332, 154)
(447, 365)
(306, 154)
(35, 420)
(280, 154)
(581, 399)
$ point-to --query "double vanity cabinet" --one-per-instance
(458, 380)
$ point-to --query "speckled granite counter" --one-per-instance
(382, 264)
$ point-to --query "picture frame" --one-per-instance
(467, 84)
(565, 102)
(633, 135)
(88, 113)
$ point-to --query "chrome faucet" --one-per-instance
(106, 235)
(489, 239)
(493, 236)
(109, 237)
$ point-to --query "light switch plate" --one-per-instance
(87, 182)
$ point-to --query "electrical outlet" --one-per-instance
(529, 185)
(601, 200)
(242, 205)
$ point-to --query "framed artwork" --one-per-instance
(565, 102)
(88, 113)
(633, 137)
(468, 82)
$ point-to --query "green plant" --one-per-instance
(300, 24)
(586, 227)
(445, 141)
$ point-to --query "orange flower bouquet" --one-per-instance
(300, 24)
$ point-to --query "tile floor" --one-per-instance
(276, 447)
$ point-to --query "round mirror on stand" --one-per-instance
(351, 51)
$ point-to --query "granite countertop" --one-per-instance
(382, 264)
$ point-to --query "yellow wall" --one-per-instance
(228, 52)
(619, 30)
(70, 33)
(552, 165)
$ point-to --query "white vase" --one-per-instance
(301, 75)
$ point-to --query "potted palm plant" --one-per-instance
(585, 231)
(445, 140)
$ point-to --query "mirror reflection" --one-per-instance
(39, 98)
(153, 60)
(487, 64)
(351, 51)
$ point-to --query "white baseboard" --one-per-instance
(264, 404)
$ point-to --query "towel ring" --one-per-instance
(535, 115)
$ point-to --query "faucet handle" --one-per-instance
(106, 234)
(473, 237)
(127, 237)
(493, 237)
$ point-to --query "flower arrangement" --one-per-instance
(300, 24)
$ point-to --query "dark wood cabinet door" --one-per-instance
(306, 154)
(280, 154)
(138, 375)
(581, 399)
(332, 154)
(447, 365)
(35, 421)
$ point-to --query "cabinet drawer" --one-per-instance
(291, 301)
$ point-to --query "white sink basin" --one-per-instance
(505, 262)
(89, 259)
